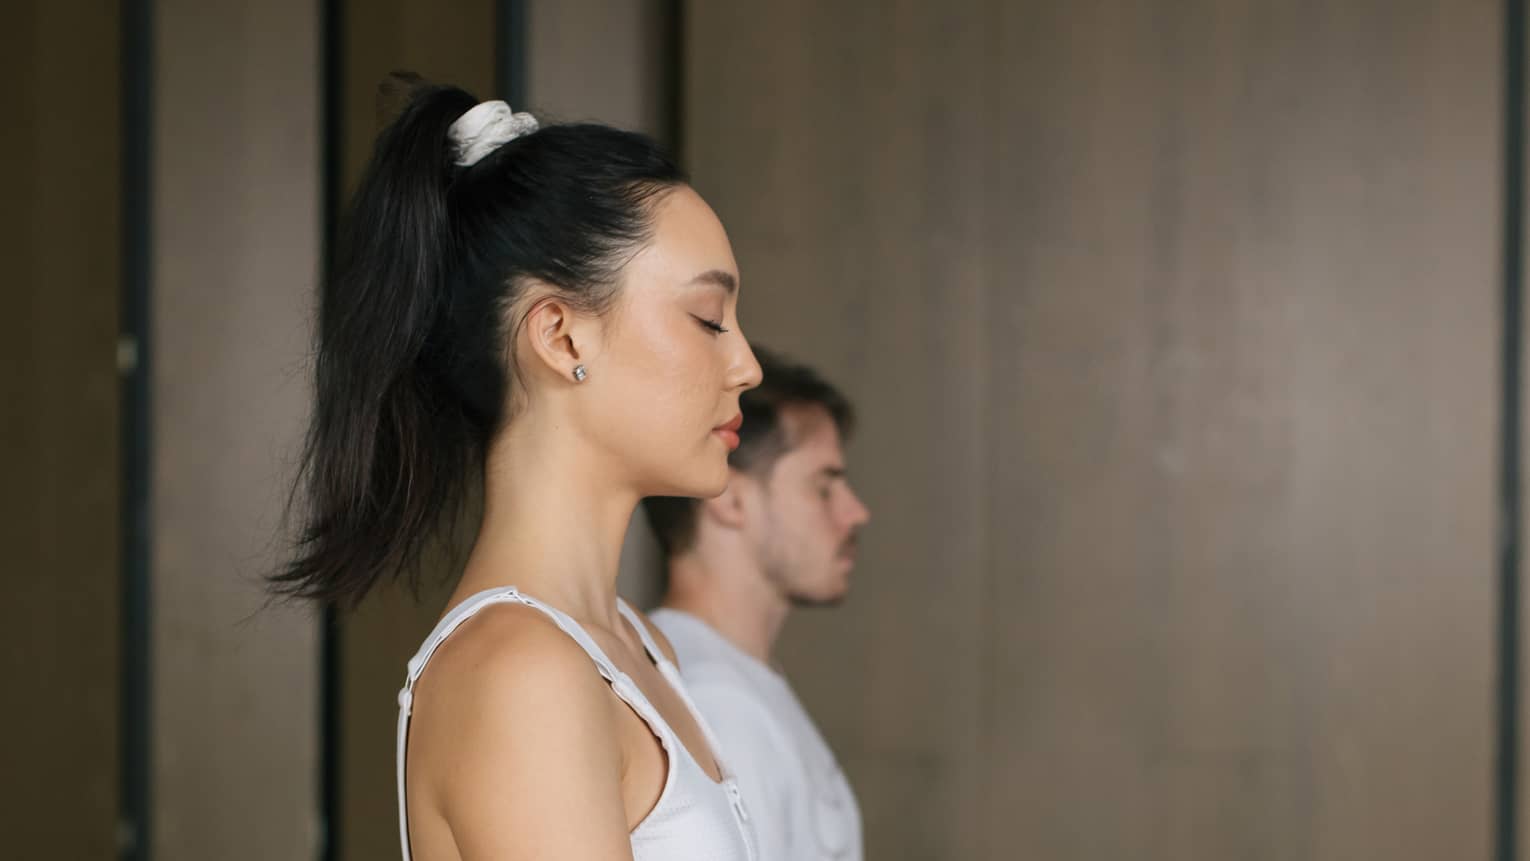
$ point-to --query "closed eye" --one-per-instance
(716, 328)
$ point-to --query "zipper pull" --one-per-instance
(737, 798)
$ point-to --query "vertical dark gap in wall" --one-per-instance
(134, 826)
(510, 52)
(1507, 777)
(331, 126)
(674, 78)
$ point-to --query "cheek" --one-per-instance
(664, 370)
(808, 526)
(835, 529)
(660, 395)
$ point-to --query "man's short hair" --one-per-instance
(761, 441)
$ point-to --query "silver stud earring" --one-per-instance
(580, 373)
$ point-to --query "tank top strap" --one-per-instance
(671, 674)
(655, 654)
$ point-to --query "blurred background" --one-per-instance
(1185, 335)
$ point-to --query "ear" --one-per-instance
(560, 337)
(727, 509)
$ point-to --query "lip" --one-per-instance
(729, 438)
(728, 433)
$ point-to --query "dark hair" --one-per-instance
(412, 376)
(762, 439)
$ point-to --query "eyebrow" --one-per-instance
(718, 277)
(833, 472)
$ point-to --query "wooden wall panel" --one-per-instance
(236, 240)
(1174, 326)
(59, 513)
(600, 61)
(1252, 358)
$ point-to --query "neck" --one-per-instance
(553, 524)
(728, 592)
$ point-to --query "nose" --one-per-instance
(860, 515)
(745, 372)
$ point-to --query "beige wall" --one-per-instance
(236, 235)
(1174, 330)
(601, 61)
(60, 180)
(1173, 327)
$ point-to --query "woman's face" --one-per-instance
(673, 361)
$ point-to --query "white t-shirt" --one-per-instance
(802, 805)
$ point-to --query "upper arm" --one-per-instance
(521, 747)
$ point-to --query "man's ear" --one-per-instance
(558, 336)
(727, 509)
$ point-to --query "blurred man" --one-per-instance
(782, 535)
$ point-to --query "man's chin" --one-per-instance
(806, 600)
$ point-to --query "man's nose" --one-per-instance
(859, 514)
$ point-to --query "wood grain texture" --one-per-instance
(236, 241)
(1174, 328)
(60, 232)
(600, 61)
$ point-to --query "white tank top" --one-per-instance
(695, 818)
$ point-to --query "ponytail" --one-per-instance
(386, 450)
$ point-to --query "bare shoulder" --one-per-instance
(514, 742)
(509, 666)
(510, 656)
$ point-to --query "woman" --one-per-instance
(552, 312)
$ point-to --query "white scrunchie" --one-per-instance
(485, 128)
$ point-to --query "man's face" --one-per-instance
(810, 516)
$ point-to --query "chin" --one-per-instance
(821, 597)
(701, 484)
(716, 479)
(714, 489)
